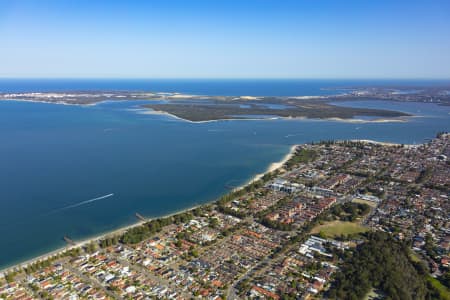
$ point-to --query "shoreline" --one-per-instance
(148, 111)
(389, 144)
(85, 241)
(48, 255)
(271, 168)
(120, 230)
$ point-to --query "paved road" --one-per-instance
(92, 280)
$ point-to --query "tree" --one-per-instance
(381, 263)
(91, 247)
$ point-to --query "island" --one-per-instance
(347, 219)
(201, 108)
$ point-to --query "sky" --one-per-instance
(225, 39)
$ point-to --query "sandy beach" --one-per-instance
(145, 111)
(361, 121)
(69, 247)
(356, 121)
(88, 240)
(385, 143)
(272, 167)
(163, 113)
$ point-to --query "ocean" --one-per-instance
(85, 170)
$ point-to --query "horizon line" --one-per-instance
(225, 78)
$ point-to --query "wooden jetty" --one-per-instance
(140, 217)
(69, 241)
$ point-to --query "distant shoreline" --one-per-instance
(149, 111)
(350, 120)
(203, 108)
(385, 143)
(272, 167)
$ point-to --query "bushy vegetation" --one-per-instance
(441, 289)
(350, 211)
(137, 234)
(104, 243)
(302, 156)
(445, 279)
(382, 263)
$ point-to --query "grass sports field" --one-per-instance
(370, 203)
(336, 228)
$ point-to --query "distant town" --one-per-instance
(339, 220)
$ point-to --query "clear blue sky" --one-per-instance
(225, 39)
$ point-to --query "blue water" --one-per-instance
(55, 159)
(227, 87)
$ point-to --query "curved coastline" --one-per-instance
(274, 166)
(358, 121)
(125, 226)
(122, 229)
(148, 111)
(271, 168)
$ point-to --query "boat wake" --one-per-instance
(80, 203)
